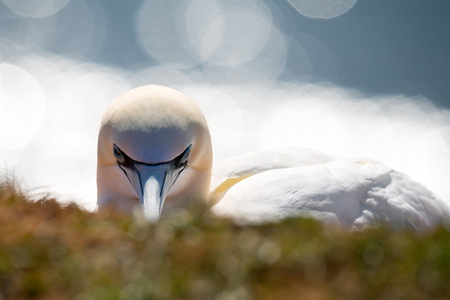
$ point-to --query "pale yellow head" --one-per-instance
(154, 150)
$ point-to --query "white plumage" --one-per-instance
(155, 149)
(355, 193)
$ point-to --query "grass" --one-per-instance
(50, 251)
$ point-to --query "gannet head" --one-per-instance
(154, 149)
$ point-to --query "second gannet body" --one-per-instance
(352, 192)
(154, 150)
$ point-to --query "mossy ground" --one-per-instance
(50, 251)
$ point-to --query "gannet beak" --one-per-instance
(152, 184)
(152, 181)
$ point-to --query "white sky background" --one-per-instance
(229, 57)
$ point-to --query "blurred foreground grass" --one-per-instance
(52, 252)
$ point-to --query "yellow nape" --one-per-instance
(228, 183)
(218, 193)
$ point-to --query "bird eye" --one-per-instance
(122, 158)
(181, 160)
(118, 153)
(185, 155)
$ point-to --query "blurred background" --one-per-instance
(349, 77)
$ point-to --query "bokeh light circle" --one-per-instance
(266, 65)
(22, 107)
(35, 9)
(79, 30)
(160, 25)
(235, 38)
(323, 9)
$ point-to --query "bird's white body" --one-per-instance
(351, 192)
(154, 144)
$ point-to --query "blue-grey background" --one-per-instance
(381, 46)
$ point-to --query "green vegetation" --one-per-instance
(48, 251)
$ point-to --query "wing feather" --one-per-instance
(351, 192)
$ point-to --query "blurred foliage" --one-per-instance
(52, 251)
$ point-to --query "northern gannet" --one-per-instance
(154, 148)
